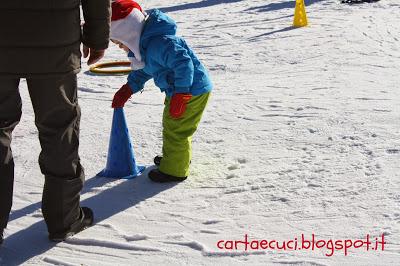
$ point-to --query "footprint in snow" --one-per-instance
(242, 160)
(282, 199)
(312, 131)
(230, 176)
(212, 222)
(393, 151)
(212, 232)
(233, 167)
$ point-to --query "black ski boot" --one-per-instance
(159, 177)
(85, 220)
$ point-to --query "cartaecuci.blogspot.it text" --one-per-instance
(305, 243)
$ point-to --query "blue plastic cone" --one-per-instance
(121, 159)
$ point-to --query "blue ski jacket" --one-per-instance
(168, 60)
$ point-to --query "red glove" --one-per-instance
(121, 96)
(178, 104)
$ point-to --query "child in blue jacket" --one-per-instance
(156, 52)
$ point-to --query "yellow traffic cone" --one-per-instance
(300, 16)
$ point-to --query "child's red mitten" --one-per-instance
(178, 104)
(121, 96)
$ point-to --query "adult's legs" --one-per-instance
(10, 114)
(57, 117)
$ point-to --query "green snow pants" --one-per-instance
(177, 136)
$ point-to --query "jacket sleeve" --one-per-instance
(137, 79)
(172, 55)
(96, 30)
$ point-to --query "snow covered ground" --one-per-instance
(301, 136)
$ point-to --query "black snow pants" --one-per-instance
(57, 117)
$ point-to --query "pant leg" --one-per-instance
(177, 136)
(10, 115)
(57, 117)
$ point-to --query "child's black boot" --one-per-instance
(157, 160)
(159, 177)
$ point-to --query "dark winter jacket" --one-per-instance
(169, 60)
(42, 37)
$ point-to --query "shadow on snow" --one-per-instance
(32, 241)
(201, 4)
(281, 5)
